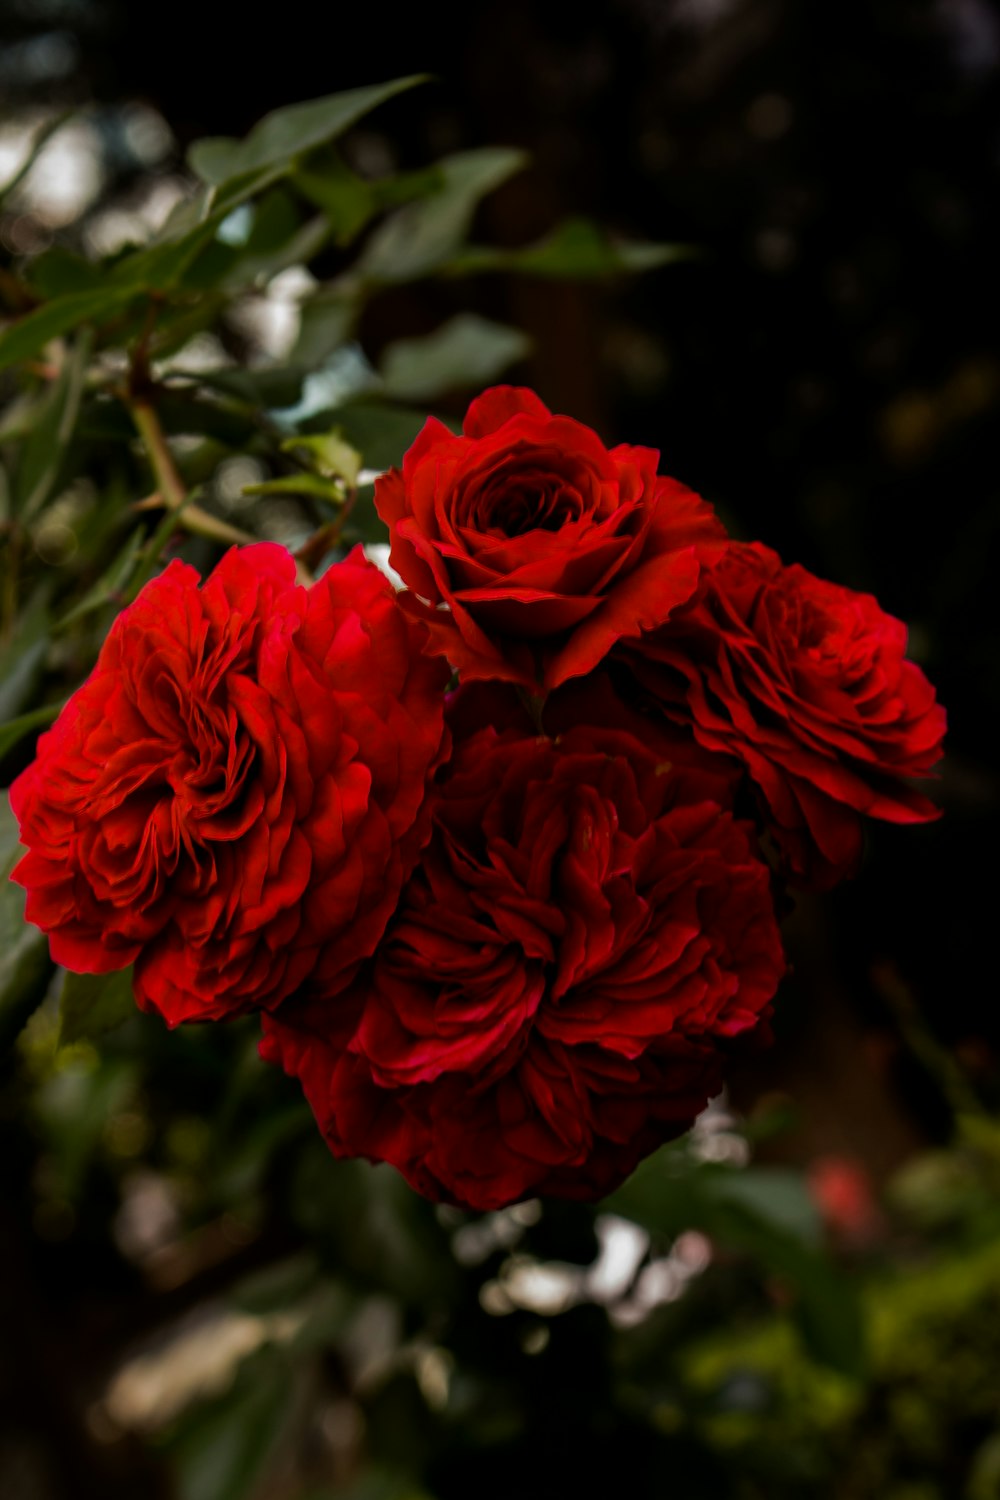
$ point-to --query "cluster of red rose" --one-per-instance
(503, 929)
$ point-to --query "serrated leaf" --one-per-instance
(575, 250)
(466, 351)
(288, 133)
(425, 234)
(91, 1004)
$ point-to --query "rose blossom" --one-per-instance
(232, 799)
(805, 683)
(545, 546)
(587, 930)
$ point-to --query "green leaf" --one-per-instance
(423, 235)
(466, 351)
(22, 660)
(91, 1004)
(278, 238)
(765, 1213)
(327, 320)
(224, 1448)
(45, 447)
(297, 484)
(58, 271)
(288, 133)
(575, 250)
(331, 456)
(364, 523)
(25, 965)
(110, 587)
(347, 200)
(24, 338)
(379, 431)
(161, 265)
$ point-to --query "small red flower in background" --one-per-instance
(842, 1191)
(234, 796)
(545, 546)
(805, 683)
(585, 934)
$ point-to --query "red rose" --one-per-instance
(585, 928)
(546, 546)
(233, 797)
(806, 683)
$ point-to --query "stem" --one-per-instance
(168, 481)
(924, 1045)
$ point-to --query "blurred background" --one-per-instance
(197, 1302)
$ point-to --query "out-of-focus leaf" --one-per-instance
(377, 1483)
(24, 338)
(266, 388)
(423, 235)
(327, 319)
(285, 134)
(347, 200)
(278, 238)
(466, 351)
(365, 524)
(384, 1235)
(25, 965)
(767, 1217)
(44, 450)
(91, 1004)
(576, 249)
(778, 1197)
(223, 1449)
(160, 266)
(379, 431)
(111, 584)
(22, 659)
(57, 272)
